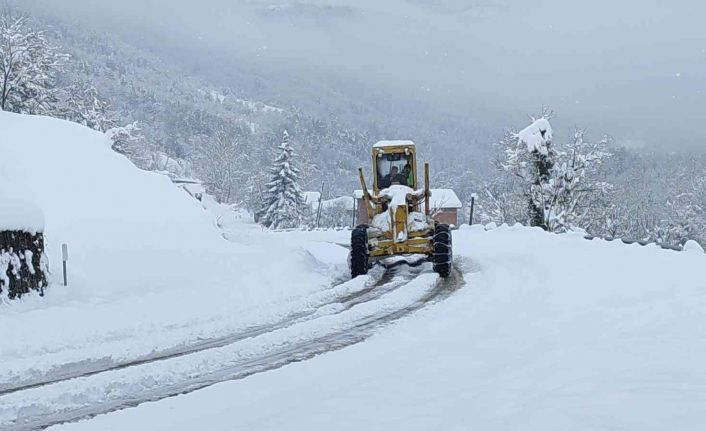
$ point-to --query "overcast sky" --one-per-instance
(633, 68)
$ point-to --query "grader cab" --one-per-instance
(399, 214)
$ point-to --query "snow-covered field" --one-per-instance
(549, 332)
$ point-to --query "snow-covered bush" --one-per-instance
(129, 141)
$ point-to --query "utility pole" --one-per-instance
(64, 259)
(318, 212)
(355, 210)
(473, 204)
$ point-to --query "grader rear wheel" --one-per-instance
(443, 251)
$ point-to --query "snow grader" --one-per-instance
(400, 220)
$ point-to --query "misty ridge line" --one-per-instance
(181, 98)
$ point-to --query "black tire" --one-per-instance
(443, 250)
(359, 251)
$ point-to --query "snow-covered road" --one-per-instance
(551, 332)
(361, 305)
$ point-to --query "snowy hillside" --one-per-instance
(148, 267)
(551, 332)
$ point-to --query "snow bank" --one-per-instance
(127, 229)
(149, 267)
(692, 245)
(552, 332)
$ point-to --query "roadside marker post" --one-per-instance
(64, 259)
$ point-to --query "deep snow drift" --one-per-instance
(551, 332)
(148, 267)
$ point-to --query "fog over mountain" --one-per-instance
(633, 69)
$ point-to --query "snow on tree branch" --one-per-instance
(29, 65)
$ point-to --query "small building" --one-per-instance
(444, 206)
(335, 212)
(194, 188)
(311, 199)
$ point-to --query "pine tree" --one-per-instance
(284, 200)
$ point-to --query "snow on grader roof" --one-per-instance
(385, 144)
(440, 198)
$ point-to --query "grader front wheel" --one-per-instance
(359, 251)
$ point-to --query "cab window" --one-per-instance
(394, 169)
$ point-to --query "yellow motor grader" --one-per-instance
(400, 222)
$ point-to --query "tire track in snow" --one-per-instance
(87, 368)
(278, 357)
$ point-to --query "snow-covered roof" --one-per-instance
(19, 214)
(358, 194)
(311, 197)
(383, 144)
(440, 198)
(345, 202)
(444, 198)
(193, 188)
(17, 209)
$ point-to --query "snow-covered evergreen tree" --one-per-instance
(29, 65)
(284, 201)
(531, 157)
